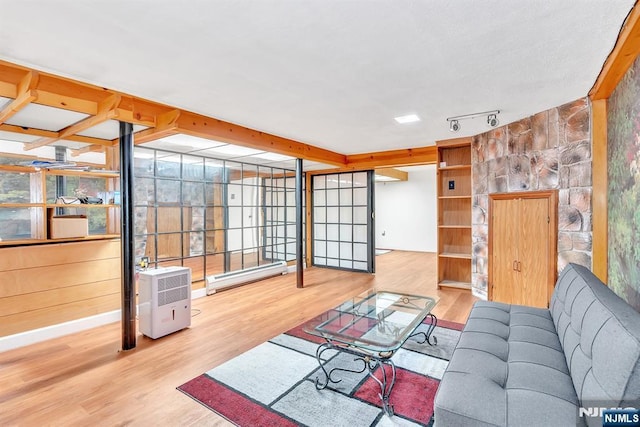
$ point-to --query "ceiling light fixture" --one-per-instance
(492, 119)
(407, 119)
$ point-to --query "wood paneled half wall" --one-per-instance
(49, 284)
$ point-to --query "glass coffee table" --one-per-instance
(372, 326)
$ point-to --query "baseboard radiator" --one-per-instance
(236, 278)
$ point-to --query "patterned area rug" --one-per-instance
(273, 384)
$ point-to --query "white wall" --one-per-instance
(406, 211)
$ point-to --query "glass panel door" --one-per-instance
(343, 226)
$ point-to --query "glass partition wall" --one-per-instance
(212, 215)
(343, 226)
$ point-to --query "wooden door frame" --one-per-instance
(552, 196)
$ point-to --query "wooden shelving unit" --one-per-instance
(454, 213)
(33, 193)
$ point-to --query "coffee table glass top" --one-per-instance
(375, 321)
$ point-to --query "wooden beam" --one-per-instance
(166, 125)
(88, 149)
(26, 93)
(599, 202)
(106, 111)
(140, 112)
(218, 130)
(47, 133)
(620, 59)
(405, 157)
(396, 174)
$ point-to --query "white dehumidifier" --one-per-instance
(164, 297)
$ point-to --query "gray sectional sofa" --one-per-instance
(525, 366)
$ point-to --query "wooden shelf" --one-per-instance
(455, 167)
(22, 242)
(21, 205)
(454, 213)
(81, 173)
(102, 217)
(80, 205)
(454, 197)
(454, 284)
(455, 255)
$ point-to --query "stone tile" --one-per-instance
(563, 196)
(580, 198)
(480, 233)
(580, 175)
(553, 138)
(478, 215)
(519, 172)
(479, 173)
(482, 266)
(480, 249)
(569, 109)
(577, 128)
(540, 130)
(575, 153)
(582, 241)
(586, 221)
(565, 242)
(569, 218)
(497, 184)
(482, 200)
(576, 257)
(478, 143)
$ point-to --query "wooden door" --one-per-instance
(523, 247)
(533, 243)
(505, 251)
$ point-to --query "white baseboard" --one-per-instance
(294, 267)
(54, 331)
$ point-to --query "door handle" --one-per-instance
(519, 266)
(515, 265)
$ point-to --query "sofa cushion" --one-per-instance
(600, 334)
(516, 365)
(508, 360)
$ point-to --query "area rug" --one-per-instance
(273, 384)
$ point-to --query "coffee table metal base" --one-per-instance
(370, 362)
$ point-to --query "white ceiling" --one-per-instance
(329, 73)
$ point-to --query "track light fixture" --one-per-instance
(492, 119)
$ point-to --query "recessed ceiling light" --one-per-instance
(407, 119)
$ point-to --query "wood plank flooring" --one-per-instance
(84, 379)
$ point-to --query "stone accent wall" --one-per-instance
(550, 150)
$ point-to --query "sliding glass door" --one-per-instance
(343, 225)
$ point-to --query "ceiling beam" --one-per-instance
(393, 158)
(396, 174)
(218, 130)
(87, 149)
(166, 125)
(620, 59)
(25, 94)
(48, 133)
(60, 92)
(106, 111)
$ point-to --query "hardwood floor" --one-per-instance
(84, 378)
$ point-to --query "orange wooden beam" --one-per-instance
(622, 56)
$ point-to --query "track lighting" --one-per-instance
(492, 119)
